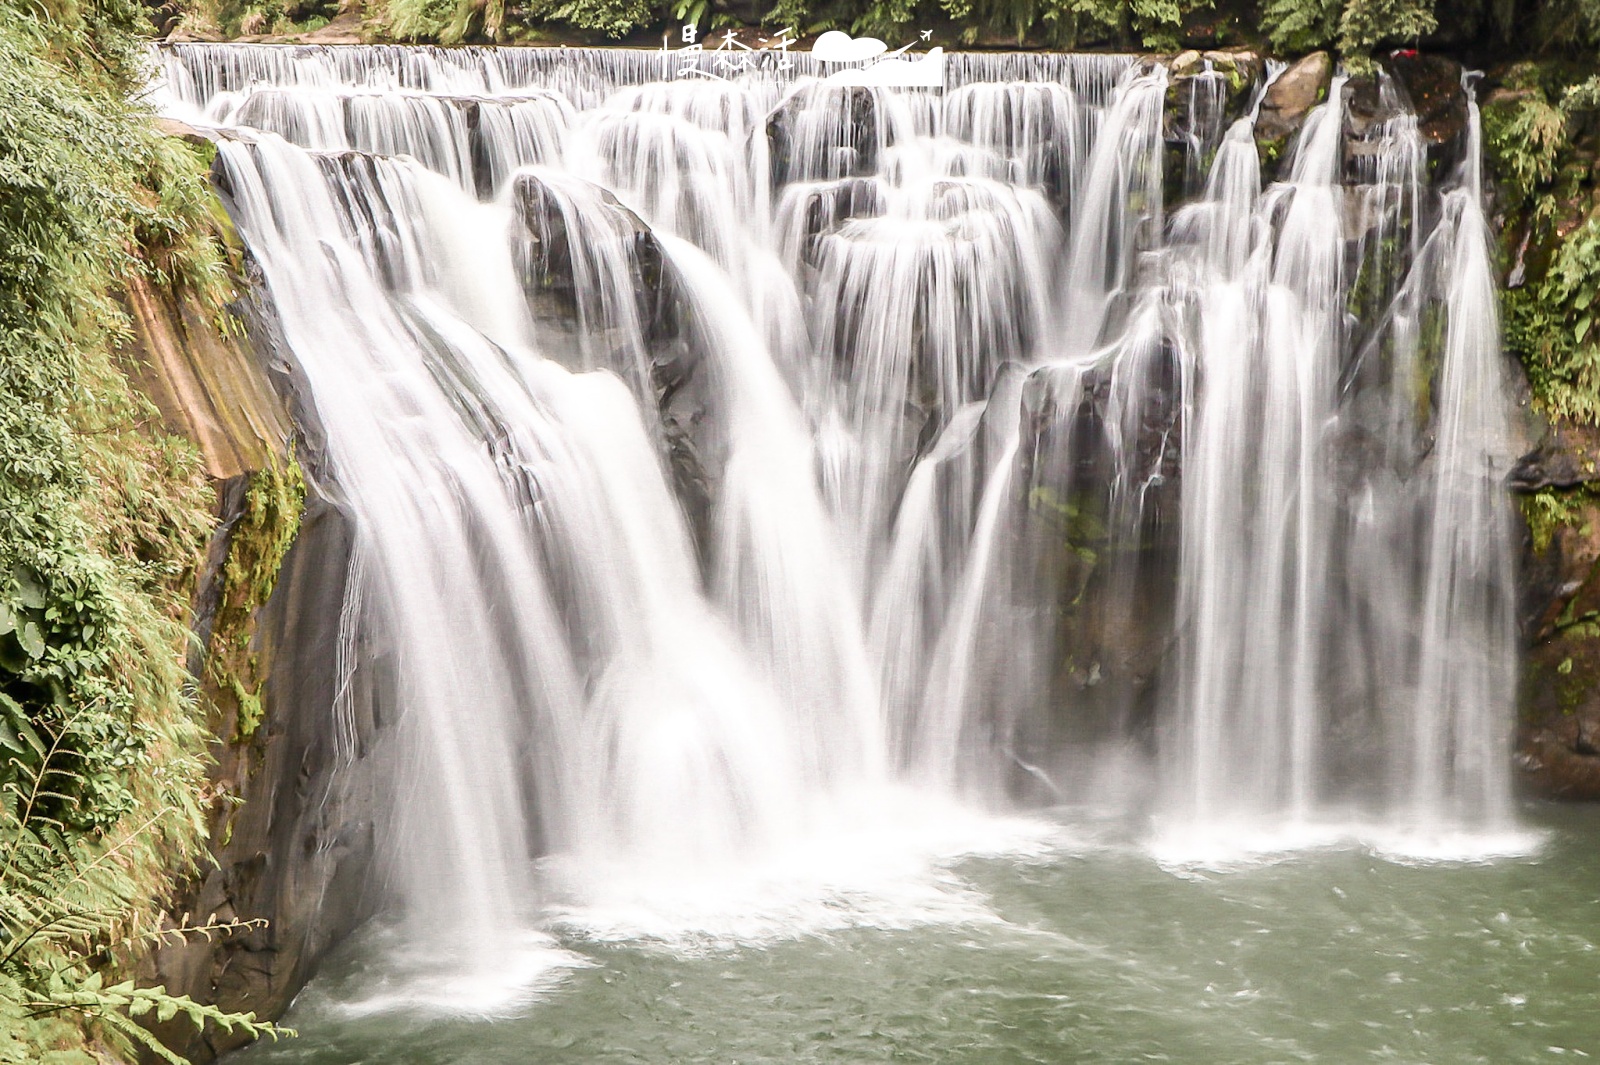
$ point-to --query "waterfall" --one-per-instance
(440, 538)
(737, 467)
(1255, 569)
(1467, 655)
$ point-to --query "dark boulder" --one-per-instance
(555, 231)
(1432, 85)
(1428, 87)
(560, 234)
(829, 205)
(825, 131)
(1567, 457)
(1101, 469)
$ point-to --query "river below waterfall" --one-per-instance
(1087, 950)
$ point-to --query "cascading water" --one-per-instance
(738, 467)
(1253, 732)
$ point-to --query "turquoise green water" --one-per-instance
(1097, 956)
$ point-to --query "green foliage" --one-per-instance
(1153, 24)
(1551, 509)
(1301, 25)
(613, 18)
(1083, 21)
(1568, 23)
(1523, 136)
(1546, 182)
(1354, 27)
(66, 900)
(102, 520)
(418, 20)
(1551, 325)
(232, 18)
(256, 547)
(1365, 24)
(1158, 23)
(1584, 96)
(888, 19)
(1370, 23)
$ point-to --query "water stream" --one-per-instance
(802, 527)
(1092, 955)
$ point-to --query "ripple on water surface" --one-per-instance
(1072, 952)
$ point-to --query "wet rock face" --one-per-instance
(296, 855)
(205, 388)
(1558, 734)
(1432, 83)
(555, 242)
(1567, 457)
(1287, 103)
(544, 252)
(290, 860)
(825, 131)
(831, 204)
(1102, 506)
(1558, 728)
(1427, 86)
(1368, 111)
(357, 192)
(1206, 93)
(555, 245)
(545, 255)
(489, 161)
(547, 241)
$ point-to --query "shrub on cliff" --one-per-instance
(1541, 131)
(102, 518)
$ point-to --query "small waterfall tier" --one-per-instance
(731, 463)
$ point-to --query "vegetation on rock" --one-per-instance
(1540, 136)
(1541, 139)
(103, 517)
(257, 544)
(1353, 28)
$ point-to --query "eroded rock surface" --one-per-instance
(1288, 101)
(290, 844)
(1558, 732)
(811, 136)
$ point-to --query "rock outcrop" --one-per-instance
(289, 849)
(603, 296)
(810, 136)
(1103, 496)
(1287, 103)
(1206, 93)
(1558, 728)
(1432, 84)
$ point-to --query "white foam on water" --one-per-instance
(880, 858)
(1224, 845)
(1436, 845)
(422, 983)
